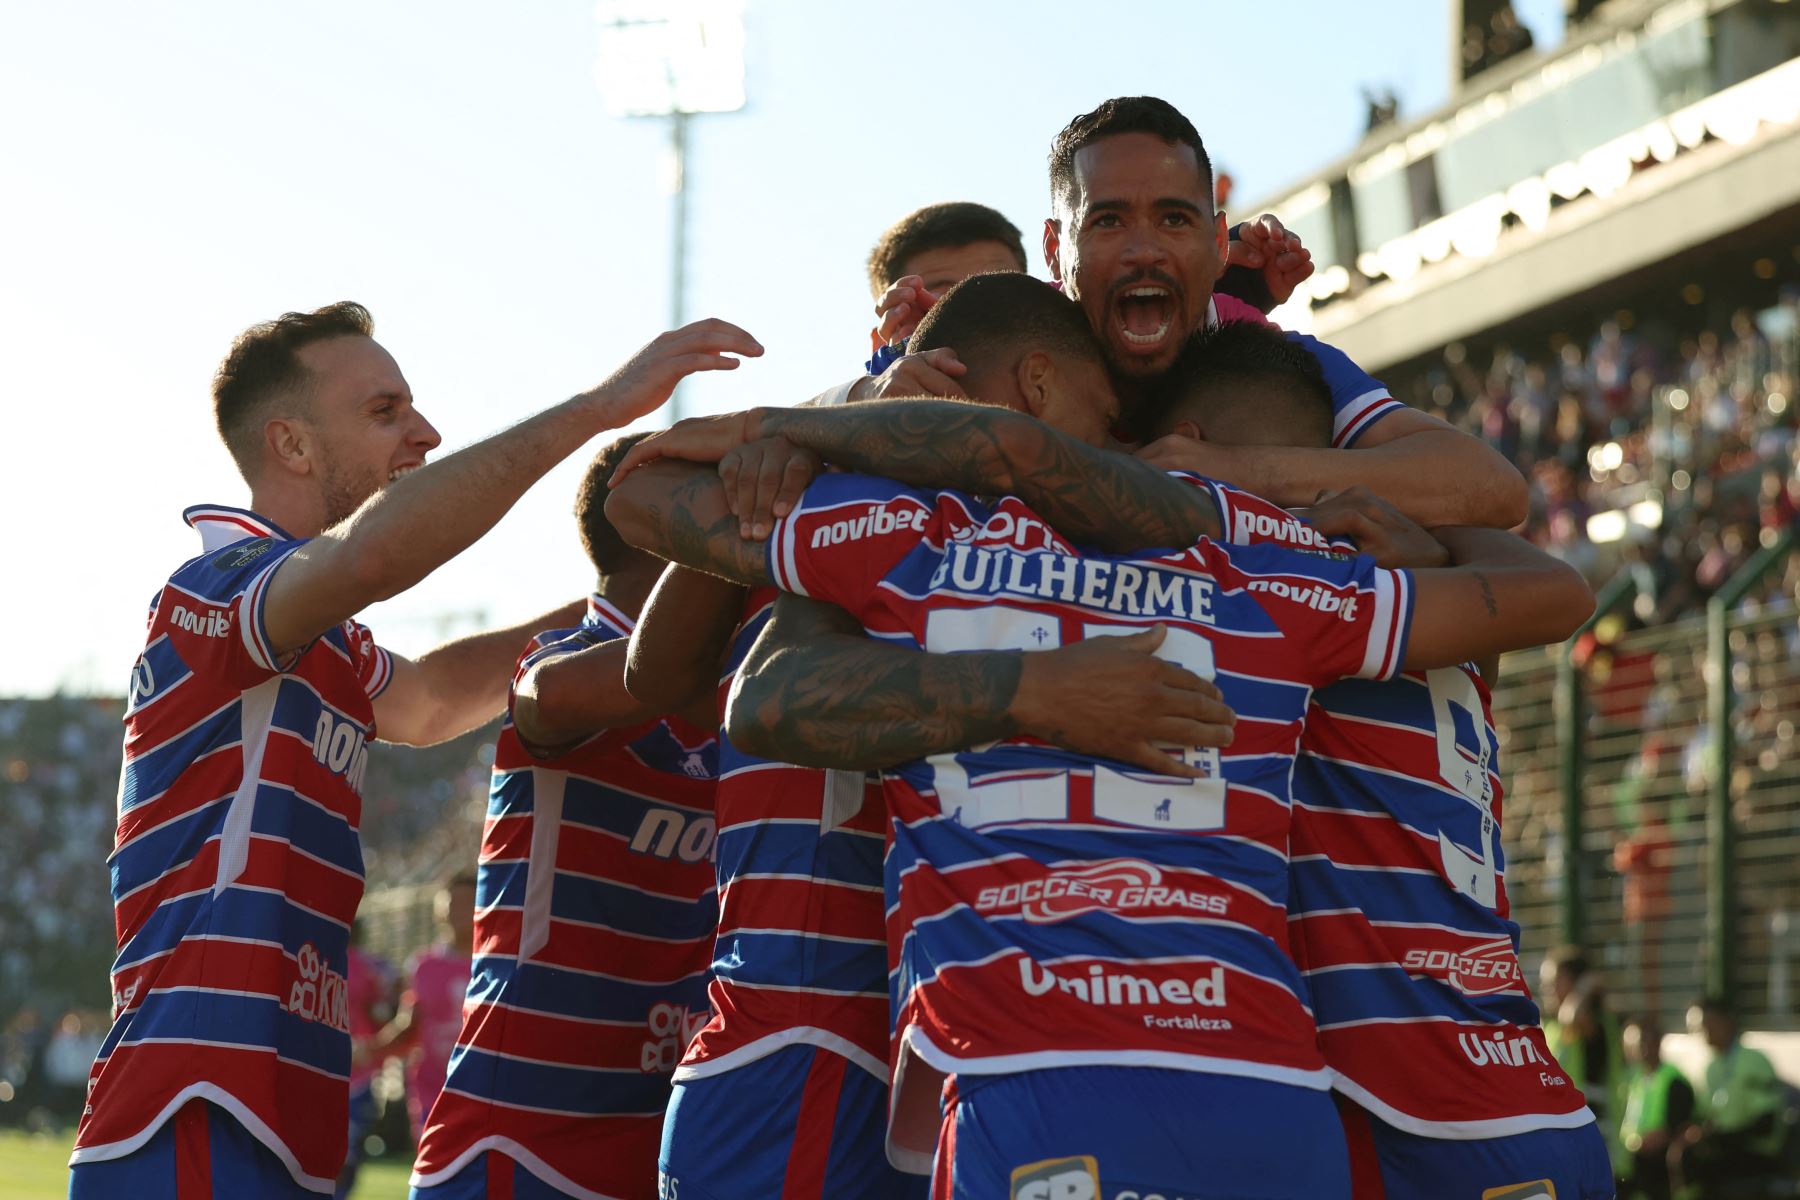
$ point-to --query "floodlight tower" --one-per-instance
(675, 59)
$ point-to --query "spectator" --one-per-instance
(1741, 1106)
(430, 1013)
(1581, 1032)
(66, 1061)
(1658, 1110)
(369, 985)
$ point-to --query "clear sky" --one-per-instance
(172, 173)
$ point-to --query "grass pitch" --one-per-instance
(35, 1167)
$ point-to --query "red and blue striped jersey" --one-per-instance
(1398, 909)
(1047, 909)
(237, 867)
(801, 951)
(595, 910)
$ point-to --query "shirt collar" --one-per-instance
(219, 525)
(601, 611)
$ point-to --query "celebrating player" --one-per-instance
(983, 841)
(596, 918)
(785, 1091)
(238, 865)
(1134, 236)
(1398, 906)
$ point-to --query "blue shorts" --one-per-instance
(802, 1123)
(492, 1175)
(1547, 1164)
(1137, 1133)
(199, 1153)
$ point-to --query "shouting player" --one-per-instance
(1058, 954)
(1134, 236)
(596, 917)
(238, 865)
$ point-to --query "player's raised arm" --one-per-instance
(409, 529)
(1503, 594)
(816, 691)
(453, 688)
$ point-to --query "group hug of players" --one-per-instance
(1000, 796)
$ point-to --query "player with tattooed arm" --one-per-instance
(1032, 1006)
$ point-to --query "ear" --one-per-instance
(1035, 378)
(1189, 428)
(1053, 247)
(1221, 242)
(288, 445)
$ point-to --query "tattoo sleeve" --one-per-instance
(818, 692)
(678, 511)
(1100, 498)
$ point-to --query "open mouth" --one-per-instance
(1145, 314)
(398, 472)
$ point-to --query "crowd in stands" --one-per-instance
(1683, 448)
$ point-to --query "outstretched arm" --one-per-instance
(1503, 594)
(416, 524)
(816, 691)
(450, 690)
(1432, 472)
(1109, 501)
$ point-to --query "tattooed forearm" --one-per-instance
(1487, 593)
(816, 691)
(855, 704)
(678, 511)
(1095, 497)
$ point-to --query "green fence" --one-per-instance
(1652, 812)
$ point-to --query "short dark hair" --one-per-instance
(1569, 956)
(935, 227)
(605, 548)
(1123, 114)
(264, 362)
(1234, 364)
(986, 316)
(1717, 1006)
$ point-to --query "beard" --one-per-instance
(343, 492)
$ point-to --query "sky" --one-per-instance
(173, 173)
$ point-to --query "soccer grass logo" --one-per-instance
(1075, 1178)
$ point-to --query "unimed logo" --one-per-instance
(1501, 1051)
(1101, 987)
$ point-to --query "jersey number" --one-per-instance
(1125, 797)
(1465, 769)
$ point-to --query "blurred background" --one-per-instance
(1571, 228)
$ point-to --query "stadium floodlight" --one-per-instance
(675, 59)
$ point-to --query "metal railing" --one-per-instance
(1653, 806)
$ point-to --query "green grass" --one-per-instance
(34, 1167)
